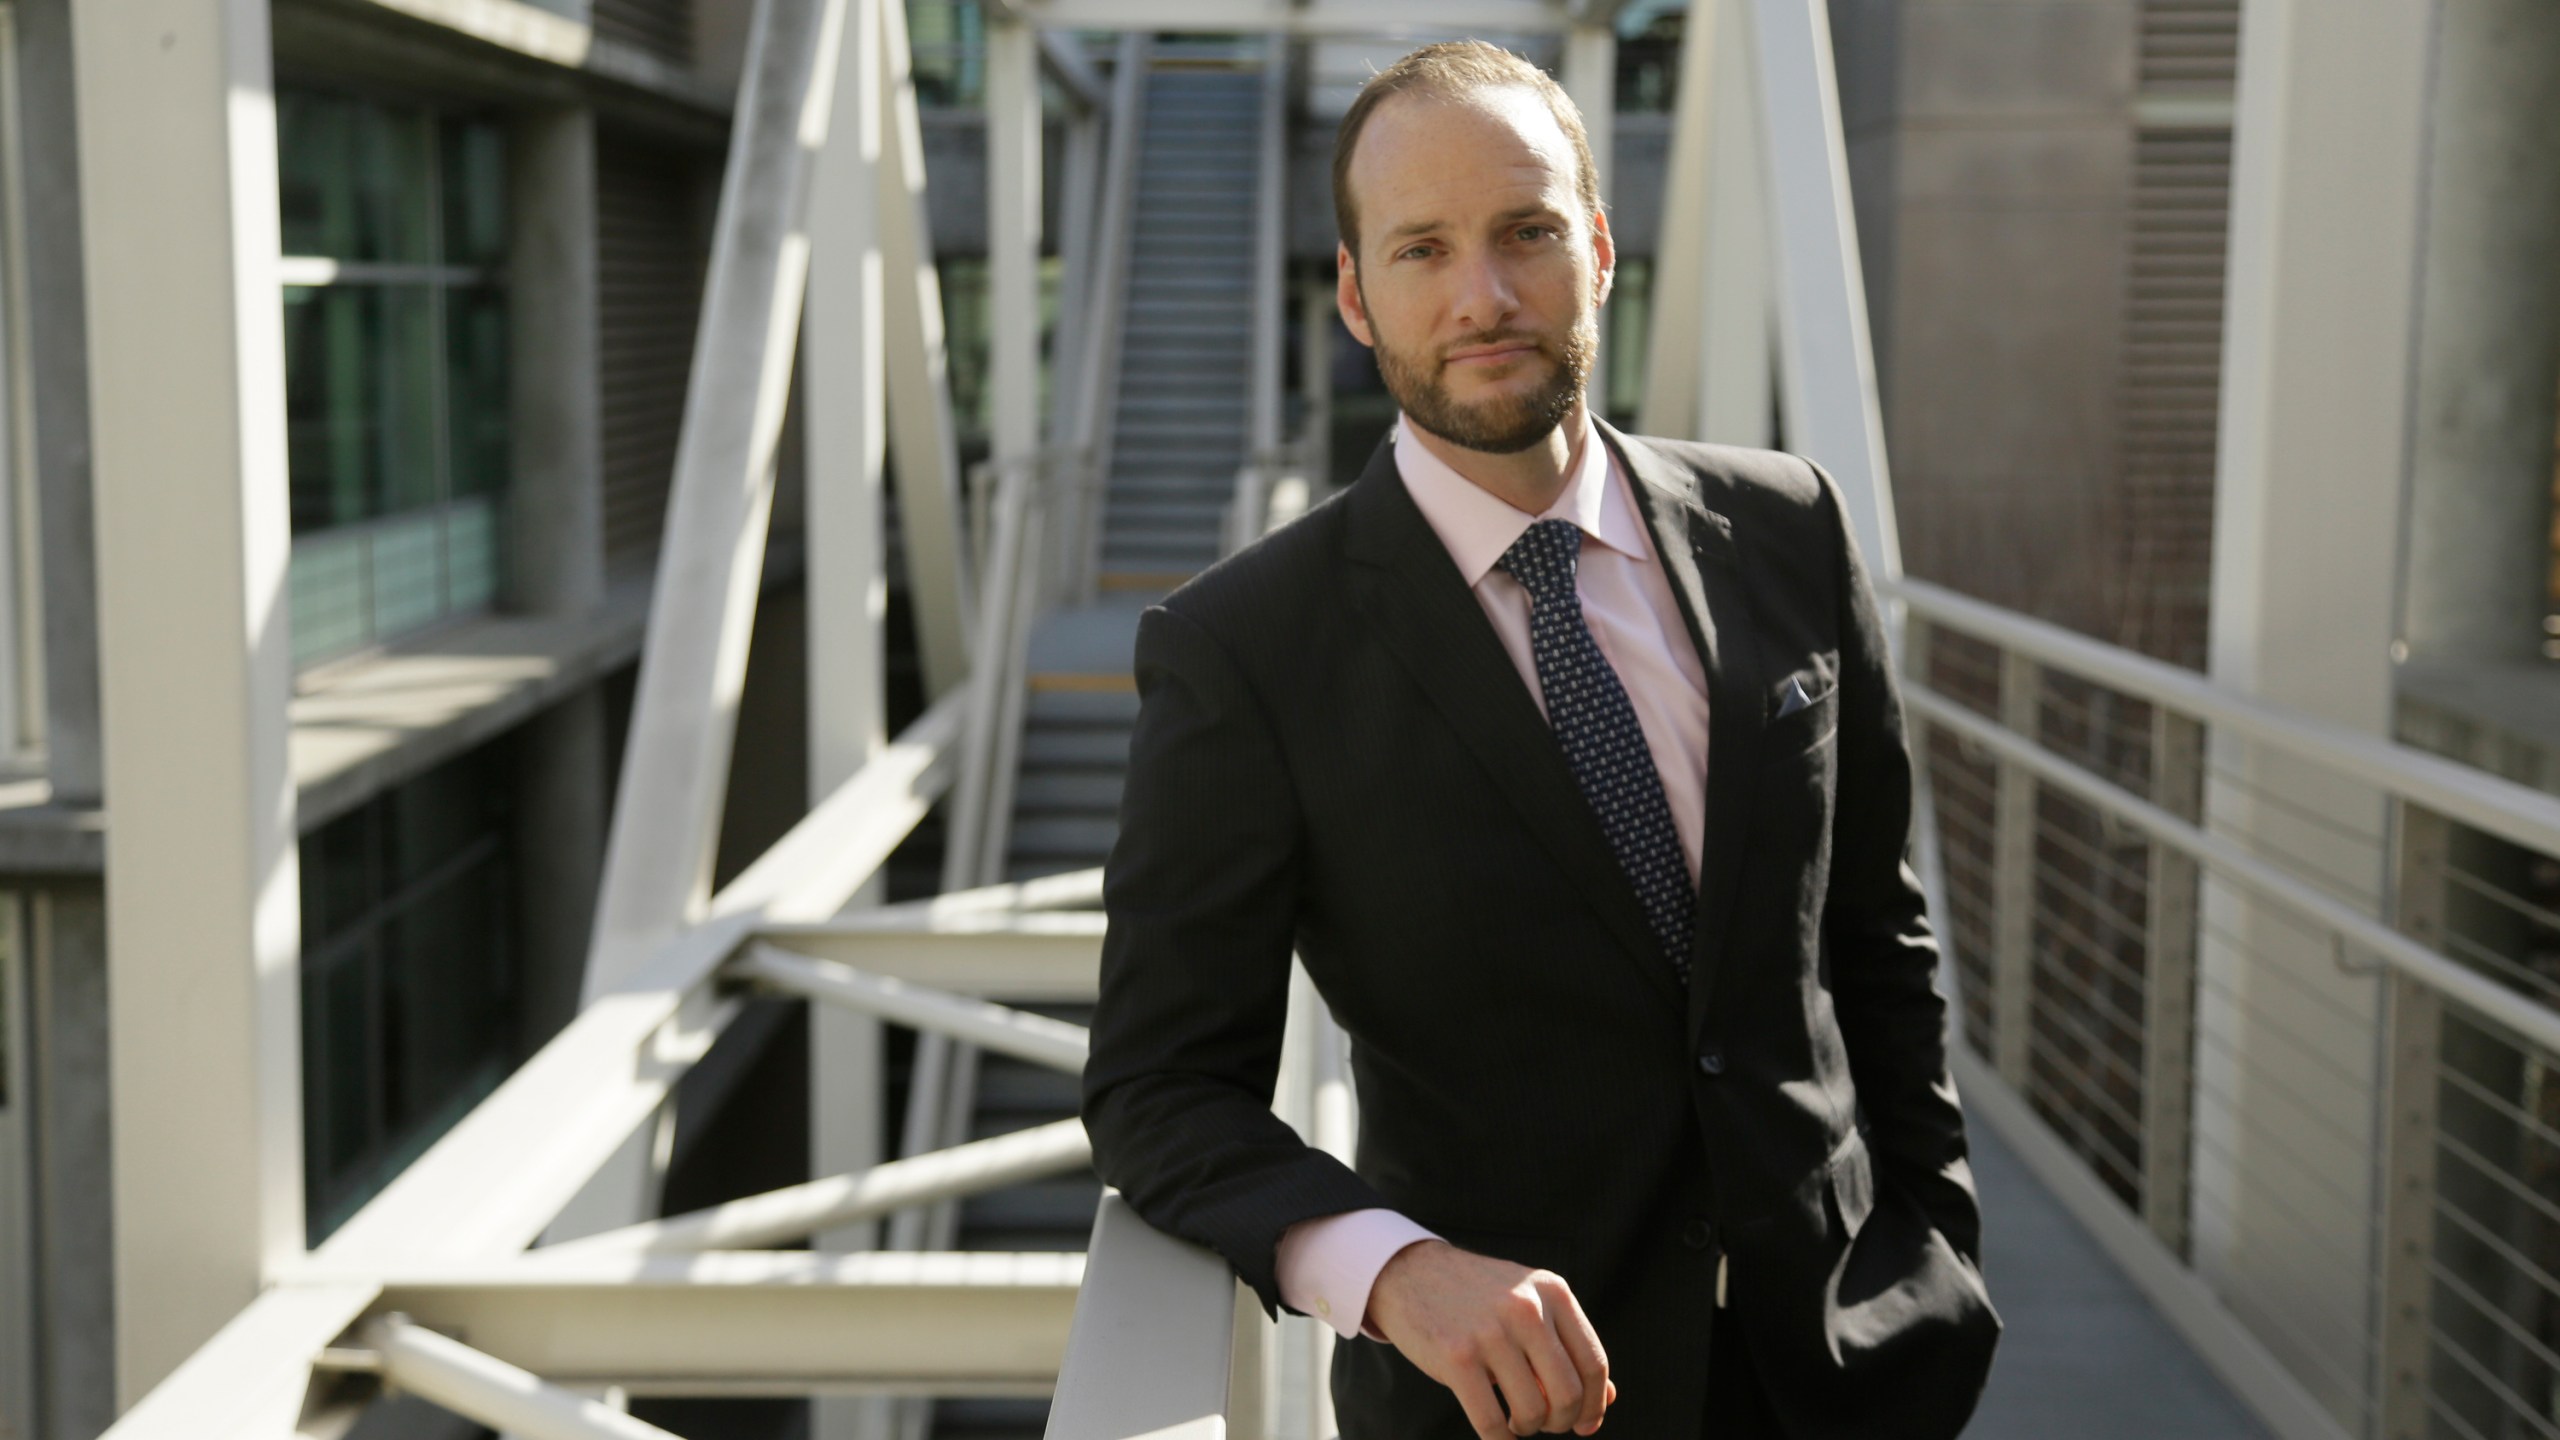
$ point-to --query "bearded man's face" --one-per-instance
(1478, 284)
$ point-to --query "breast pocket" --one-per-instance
(1804, 707)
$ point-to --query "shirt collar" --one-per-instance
(1477, 527)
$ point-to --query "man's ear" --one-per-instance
(1604, 252)
(1346, 295)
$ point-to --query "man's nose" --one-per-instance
(1486, 299)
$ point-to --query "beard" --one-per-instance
(1505, 424)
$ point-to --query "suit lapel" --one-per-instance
(1412, 591)
(1696, 545)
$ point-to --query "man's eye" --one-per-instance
(1534, 232)
(1410, 251)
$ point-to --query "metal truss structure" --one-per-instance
(514, 1272)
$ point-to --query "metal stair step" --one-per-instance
(1190, 559)
(1076, 747)
(1055, 836)
(1078, 794)
(1065, 709)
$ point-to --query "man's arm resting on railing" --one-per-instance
(1202, 893)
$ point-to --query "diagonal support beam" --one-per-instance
(1017, 958)
(796, 1212)
(477, 1387)
(1018, 1033)
(675, 768)
(788, 1322)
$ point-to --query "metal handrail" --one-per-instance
(2478, 799)
(2229, 858)
(1106, 310)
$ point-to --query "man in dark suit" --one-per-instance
(1571, 764)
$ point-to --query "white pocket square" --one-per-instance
(1794, 700)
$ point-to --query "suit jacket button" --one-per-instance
(1711, 1061)
(1697, 1234)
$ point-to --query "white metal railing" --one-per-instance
(2274, 1007)
(1106, 303)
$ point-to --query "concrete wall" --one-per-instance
(1990, 145)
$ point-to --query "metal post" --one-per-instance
(186, 364)
(1591, 78)
(2013, 876)
(1826, 357)
(1013, 236)
(2169, 983)
(58, 395)
(844, 425)
(921, 433)
(1734, 403)
(2414, 1029)
(1676, 340)
(1098, 374)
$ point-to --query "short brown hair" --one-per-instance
(1452, 69)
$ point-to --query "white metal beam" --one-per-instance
(1735, 397)
(1049, 957)
(1013, 238)
(1591, 78)
(1072, 889)
(796, 1212)
(844, 419)
(1676, 338)
(1828, 373)
(250, 1381)
(775, 1322)
(675, 765)
(1299, 17)
(921, 433)
(497, 1178)
(443, 1370)
(1095, 377)
(844, 389)
(186, 366)
(1019, 1033)
(1064, 60)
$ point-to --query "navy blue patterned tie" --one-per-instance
(1597, 726)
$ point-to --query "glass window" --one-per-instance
(395, 228)
(408, 978)
(1649, 40)
(948, 40)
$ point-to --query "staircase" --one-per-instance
(1180, 436)
(1183, 413)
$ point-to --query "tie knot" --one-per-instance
(1543, 559)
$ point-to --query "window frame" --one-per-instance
(438, 280)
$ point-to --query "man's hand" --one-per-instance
(1476, 1324)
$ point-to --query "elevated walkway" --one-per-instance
(2197, 1048)
(2084, 1355)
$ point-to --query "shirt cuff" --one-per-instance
(1327, 1266)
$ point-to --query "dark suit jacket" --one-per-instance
(1335, 755)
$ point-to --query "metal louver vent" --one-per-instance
(2171, 373)
(2172, 376)
(664, 28)
(2190, 46)
(650, 256)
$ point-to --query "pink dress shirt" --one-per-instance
(1327, 1266)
